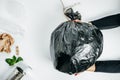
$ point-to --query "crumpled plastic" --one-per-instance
(75, 45)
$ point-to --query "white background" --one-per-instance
(40, 17)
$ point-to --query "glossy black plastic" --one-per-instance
(75, 46)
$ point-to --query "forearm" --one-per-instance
(112, 66)
(108, 22)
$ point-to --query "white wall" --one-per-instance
(40, 17)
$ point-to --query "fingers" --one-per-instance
(92, 68)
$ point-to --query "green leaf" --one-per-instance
(19, 59)
(9, 61)
(12, 63)
(14, 58)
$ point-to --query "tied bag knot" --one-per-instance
(74, 16)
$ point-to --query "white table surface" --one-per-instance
(39, 18)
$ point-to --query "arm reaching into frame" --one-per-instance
(107, 22)
(110, 66)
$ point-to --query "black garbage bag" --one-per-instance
(75, 46)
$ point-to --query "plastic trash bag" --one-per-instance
(75, 46)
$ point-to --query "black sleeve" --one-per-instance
(108, 66)
(108, 22)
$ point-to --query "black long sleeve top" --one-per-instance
(108, 22)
